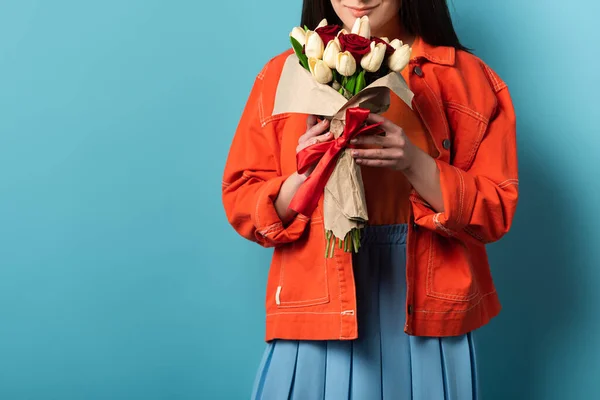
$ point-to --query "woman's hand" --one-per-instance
(394, 150)
(316, 132)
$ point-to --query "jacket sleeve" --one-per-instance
(252, 177)
(479, 203)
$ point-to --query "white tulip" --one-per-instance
(346, 64)
(399, 60)
(371, 62)
(341, 32)
(322, 23)
(386, 40)
(362, 27)
(331, 52)
(321, 72)
(396, 43)
(314, 45)
(299, 34)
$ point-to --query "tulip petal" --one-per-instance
(396, 43)
(331, 52)
(299, 34)
(314, 45)
(346, 65)
(400, 58)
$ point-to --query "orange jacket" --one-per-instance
(468, 112)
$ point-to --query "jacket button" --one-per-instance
(418, 71)
(415, 226)
(446, 143)
(409, 309)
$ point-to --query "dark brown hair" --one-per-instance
(428, 19)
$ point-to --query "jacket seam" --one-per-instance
(448, 60)
(466, 110)
(309, 302)
(453, 297)
(458, 311)
(270, 228)
(256, 215)
(304, 312)
(508, 182)
(263, 72)
(264, 121)
(497, 83)
(441, 226)
(418, 200)
(440, 109)
(476, 235)
(339, 297)
(473, 152)
(305, 218)
(462, 195)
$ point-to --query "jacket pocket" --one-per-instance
(303, 270)
(472, 127)
(450, 274)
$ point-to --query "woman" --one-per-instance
(395, 320)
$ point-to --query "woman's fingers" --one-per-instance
(314, 130)
(377, 154)
(376, 163)
(311, 121)
(314, 140)
(374, 140)
(387, 125)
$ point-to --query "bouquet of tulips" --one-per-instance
(342, 76)
(348, 61)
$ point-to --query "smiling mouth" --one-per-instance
(360, 12)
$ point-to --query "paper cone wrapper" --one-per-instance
(344, 204)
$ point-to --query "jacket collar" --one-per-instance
(443, 55)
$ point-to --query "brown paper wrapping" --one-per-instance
(344, 206)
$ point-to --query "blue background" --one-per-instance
(119, 275)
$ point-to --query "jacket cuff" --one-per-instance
(458, 191)
(269, 228)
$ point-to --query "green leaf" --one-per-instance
(300, 53)
(306, 28)
(351, 84)
(360, 82)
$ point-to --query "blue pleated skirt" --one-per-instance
(384, 362)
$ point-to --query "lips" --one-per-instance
(360, 12)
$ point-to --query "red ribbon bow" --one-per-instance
(307, 197)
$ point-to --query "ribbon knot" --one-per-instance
(326, 154)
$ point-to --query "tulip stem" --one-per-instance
(356, 240)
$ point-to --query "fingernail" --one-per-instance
(354, 141)
(325, 121)
(354, 153)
